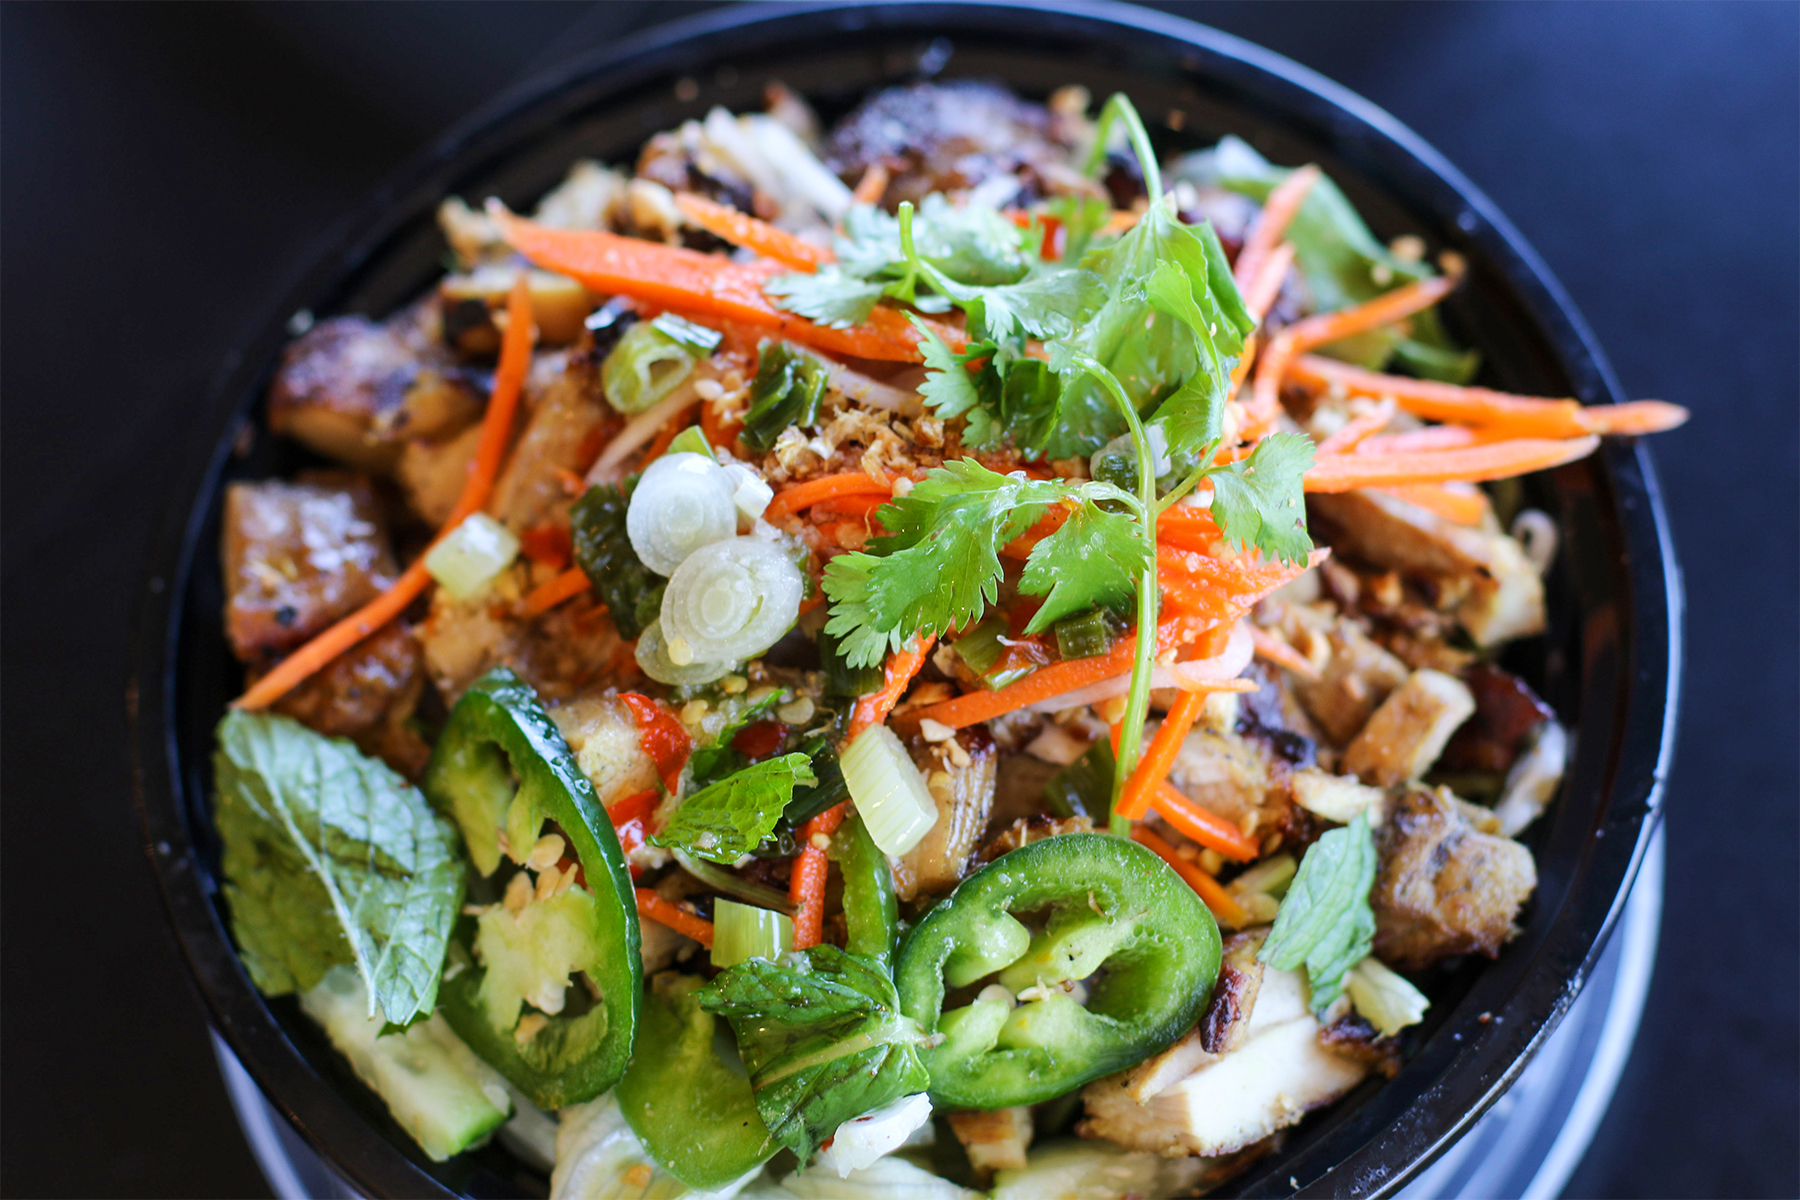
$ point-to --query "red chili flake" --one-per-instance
(758, 741)
(661, 736)
(548, 544)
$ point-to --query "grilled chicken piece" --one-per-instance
(995, 1140)
(1336, 797)
(559, 305)
(431, 474)
(571, 649)
(935, 137)
(1353, 1037)
(1508, 716)
(356, 391)
(1223, 1027)
(1482, 575)
(604, 736)
(568, 424)
(368, 694)
(1444, 887)
(1233, 778)
(297, 557)
(1408, 732)
(1226, 1101)
(1356, 677)
(960, 775)
(1030, 829)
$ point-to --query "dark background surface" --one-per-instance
(165, 171)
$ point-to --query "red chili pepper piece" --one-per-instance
(661, 736)
(758, 741)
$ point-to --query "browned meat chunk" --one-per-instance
(1036, 828)
(1355, 1038)
(432, 473)
(1481, 575)
(564, 432)
(1407, 733)
(356, 391)
(367, 694)
(297, 557)
(995, 1140)
(1507, 713)
(567, 651)
(944, 137)
(1356, 678)
(1444, 888)
(960, 776)
(1233, 778)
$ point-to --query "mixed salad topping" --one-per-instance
(928, 659)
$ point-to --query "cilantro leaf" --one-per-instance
(823, 1039)
(728, 819)
(1325, 920)
(950, 388)
(941, 565)
(829, 296)
(1094, 559)
(1260, 501)
(1044, 305)
(330, 857)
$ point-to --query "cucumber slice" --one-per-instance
(434, 1086)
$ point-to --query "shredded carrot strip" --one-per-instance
(851, 506)
(1265, 286)
(1272, 648)
(1022, 546)
(1042, 684)
(826, 487)
(1320, 330)
(1278, 212)
(547, 595)
(1153, 767)
(902, 666)
(1120, 221)
(1223, 905)
(1202, 824)
(1633, 417)
(806, 885)
(1463, 507)
(1357, 429)
(663, 912)
(872, 186)
(1432, 437)
(742, 229)
(496, 431)
(690, 282)
(1496, 460)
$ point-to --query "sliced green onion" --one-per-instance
(467, 559)
(1084, 635)
(982, 649)
(741, 933)
(786, 392)
(691, 441)
(726, 884)
(682, 503)
(1269, 877)
(730, 600)
(1386, 1000)
(1084, 787)
(809, 800)
(889, 791)
(697, 339)
(749, 491)
(646, 365)
(653, 657)
(842, 679)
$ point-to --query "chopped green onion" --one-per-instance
(809, 800)
(786, 392)
(741, 933)
(1269, 877)
(698, 339)
(730, 600)
(1386, 1000)
(652, 656)
(648, 363)
(726, 884)
(891, 795)
(983, 648)
(466, 560)
(842, 679)
(1084, 787)
(682, 504)
(691, 441)
(749, 491)
(1084, 635)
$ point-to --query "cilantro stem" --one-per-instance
(903, 288)
(1207, 466)
(1137, 704)
(1120, 108)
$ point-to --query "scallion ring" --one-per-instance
(683, 502)
(731, 600)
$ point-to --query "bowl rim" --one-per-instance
(1488, 1058)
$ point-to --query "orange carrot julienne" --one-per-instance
(1463, 507)
(709, 285)
(1496, 460)
(851, 506)
(1432, 437)
(1042, 684)
(1278, 212)
(760, 237)
(1272, 648)
(826, 487)
(872, 186)
(1202, 824)
(664, 912)
(1633, 417)
(806, 885)
(547, 595)
(902, 665)
(1265, 285)
(1357, 428)
(1210, 890)
(1153, 767)
(1329, 327)
(496, 431)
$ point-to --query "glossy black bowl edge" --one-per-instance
(1326, 1165)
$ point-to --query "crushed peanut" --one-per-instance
(797, 711)
(935, 731)
(518, 894)
(546, 852)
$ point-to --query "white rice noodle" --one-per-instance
(639, 430)
(1189, 676)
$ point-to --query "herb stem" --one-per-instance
(1137, 704)
(1120, 108)
(1207, 467)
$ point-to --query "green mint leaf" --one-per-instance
(728, 716)
(940, 566)
(603, 551)
(330, 857)
(726, 820)
(1260, 500)
(822, 1038)
(829, 296)
(1325, 920)
(1093, 560)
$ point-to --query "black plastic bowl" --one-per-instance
(1609, 664)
